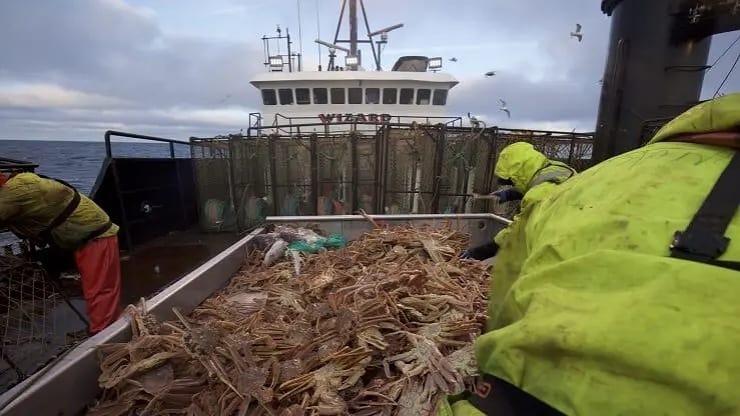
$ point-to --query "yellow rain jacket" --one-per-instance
(600, 320)
(536, 177)
(29, 203)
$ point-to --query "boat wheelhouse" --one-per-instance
(412, 91)
(332, 97)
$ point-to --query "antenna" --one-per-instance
(383, 41)
(318, 32)
(300, 31)
(331, 45)
(354, 61)
(385, 30)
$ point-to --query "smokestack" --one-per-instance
(654, 70)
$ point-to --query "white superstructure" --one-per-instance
(411, 92)
(335, 96)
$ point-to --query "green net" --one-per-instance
(333, 241)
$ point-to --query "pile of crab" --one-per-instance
(384, 326)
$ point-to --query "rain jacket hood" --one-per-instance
(520, 162)
(718, 115)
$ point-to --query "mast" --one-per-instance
(353, 27)
(353, 60)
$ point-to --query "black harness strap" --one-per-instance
(703, 240)
(496, 397)
(96, 233)
(45, 234)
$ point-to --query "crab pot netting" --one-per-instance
(395, 171)
(582, 153)
(465, 170)
(409, 172)
(211, 162)
(252, 181)
(334, 175)
(36, 323)
(365, 198)
(292, 166)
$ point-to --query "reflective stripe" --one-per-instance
(555, 176)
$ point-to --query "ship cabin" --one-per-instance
(407, 93)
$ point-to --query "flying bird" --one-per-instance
(490, 73)
(577, 34)
(475, 121)
(453, 59)
(225, 98)
(504, 108)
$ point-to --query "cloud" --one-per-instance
(229, 10)
(75, 68)
(50, 95)
(88, 65)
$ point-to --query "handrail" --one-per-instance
(109, 133)
(7, 164)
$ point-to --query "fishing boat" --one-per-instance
(346, 91)
(346, 138)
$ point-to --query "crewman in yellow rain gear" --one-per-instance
(49, 211)
(620, 295)
(532, 176)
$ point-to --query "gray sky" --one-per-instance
(72, 69)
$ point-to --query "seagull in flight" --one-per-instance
(490, 73)
(577, 34)
(476, 121)
(504, 108)
(453, 59)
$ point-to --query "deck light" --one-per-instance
(351, 61)
(276, 63)
(435, 63)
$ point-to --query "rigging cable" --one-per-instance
(300, 31)
(723, 53)
(318, 31)
(727, 76)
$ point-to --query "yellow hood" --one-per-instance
(519, 162)
(716, 115)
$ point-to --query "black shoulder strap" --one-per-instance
(704, 240)
(45, 234)
(495, 397)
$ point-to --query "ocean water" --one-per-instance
(79, 162)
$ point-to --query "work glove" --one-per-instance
(507, 195)
(486, 251)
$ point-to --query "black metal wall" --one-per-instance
(654, 70)
(147, 198)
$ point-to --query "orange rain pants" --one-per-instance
(100, 273)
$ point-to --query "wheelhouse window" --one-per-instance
(337, 95)
(422, 96)
(390, 95)
(269, 97)
(320, 96)
(302, 96)
(372, 95)
(354, 95)
(407, 96)
(440, 97)
(286, 96)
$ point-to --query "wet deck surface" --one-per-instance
(155, 266)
